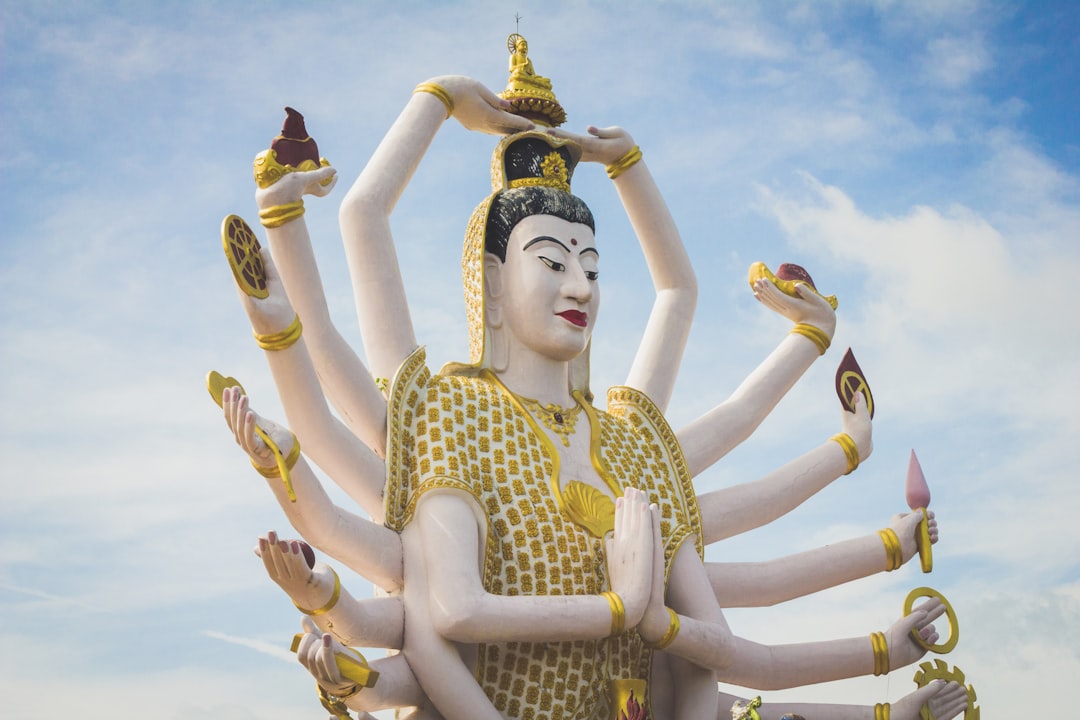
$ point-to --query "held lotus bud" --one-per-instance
(916, 490)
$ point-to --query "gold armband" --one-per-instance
(672, 632)
(851, 450)
(881, 711)
(814, 334)
(334, 596)
(278, 215)
(618, 612)
(281, 340)
(624, 163)
(439, 92)
(881, 653)
(894, 555)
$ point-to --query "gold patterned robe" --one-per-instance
(470, 434)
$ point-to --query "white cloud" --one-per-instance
(953, 61)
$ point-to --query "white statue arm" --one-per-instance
(463, 611)
(713, 435)
(365, 212)
(705, 639)
(367, 548)
(347, 383)
(350, 463)
(730, 511)
(945, 700)
(768, 583)
(656, 363)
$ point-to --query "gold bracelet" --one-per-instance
(894, 554)
(881, 653)
(851, 450)
(334, 596)
(814, 334)
(439, 92)
(274, 471)
(278, 215)
(618, 612)
(881, 711)
(624, 163)
(281, 340)
(672, 631)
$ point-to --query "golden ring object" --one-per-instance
(950, 614)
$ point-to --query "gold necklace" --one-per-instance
(561, 421)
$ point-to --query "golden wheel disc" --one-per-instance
(242, 251)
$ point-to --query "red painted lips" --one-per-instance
(575, 316)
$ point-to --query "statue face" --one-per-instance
(548, 291)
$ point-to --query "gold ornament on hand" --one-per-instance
(627, 161)
(922, 542)
(950, 614)
(281, 340)
(851, 450)
(438, 91)
(277, 215)
(814, 334)
(216, 384)
(530, 95)
(881, 653)
(618, 612)
(329, 604)
(939, 670)
(671, 633)
(760, 270)
(894, 555)
(243, 252)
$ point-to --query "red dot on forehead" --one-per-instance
(573, 241)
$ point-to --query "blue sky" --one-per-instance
(921, 159)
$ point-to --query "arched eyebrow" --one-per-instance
(545, 238)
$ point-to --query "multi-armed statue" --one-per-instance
(542, 558)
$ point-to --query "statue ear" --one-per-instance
(493, 290)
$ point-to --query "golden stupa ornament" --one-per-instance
(529, 94)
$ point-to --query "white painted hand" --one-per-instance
(808, 308)
(858, 426)
(242, 421)
(602, 145)
(293, 186)
(291, 564)
(945, 699)
(478, 108)
(903, 650)
(906, 525)
(630, 554)
(654, 624)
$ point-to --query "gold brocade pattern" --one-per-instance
(467, 434)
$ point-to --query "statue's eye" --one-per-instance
(556, 266)
(592, 274)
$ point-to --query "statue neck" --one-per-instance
(537, 377)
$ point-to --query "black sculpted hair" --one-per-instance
(512, 206)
